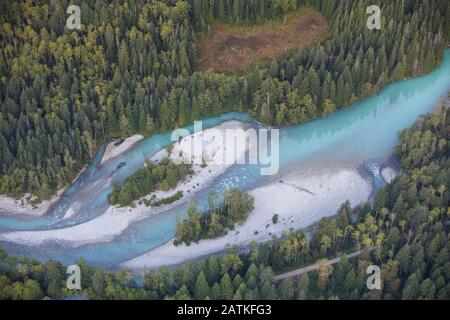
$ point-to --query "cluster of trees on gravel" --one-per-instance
(133, 68)
(168, 200)
(235, 208)
(162, 176)
(407, 227)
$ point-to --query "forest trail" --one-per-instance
(300, 271)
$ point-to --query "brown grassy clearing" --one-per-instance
(232, 49)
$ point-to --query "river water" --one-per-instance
(363, 134)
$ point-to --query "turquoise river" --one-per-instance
(362, 134)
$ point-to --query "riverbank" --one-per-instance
(25, 206)
(114, 148)
(297, 199)
(116, 219)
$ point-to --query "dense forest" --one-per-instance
(221, 217)
(407, 228)
(133, 68)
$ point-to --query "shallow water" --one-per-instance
(365, 133)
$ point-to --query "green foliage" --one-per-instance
(164, 176)
(157, 203)
(63, 93)
(132, 69)
(413, 256)
(236, 207)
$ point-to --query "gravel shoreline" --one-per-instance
(11, 207)
(112, 150)
(299, 201)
